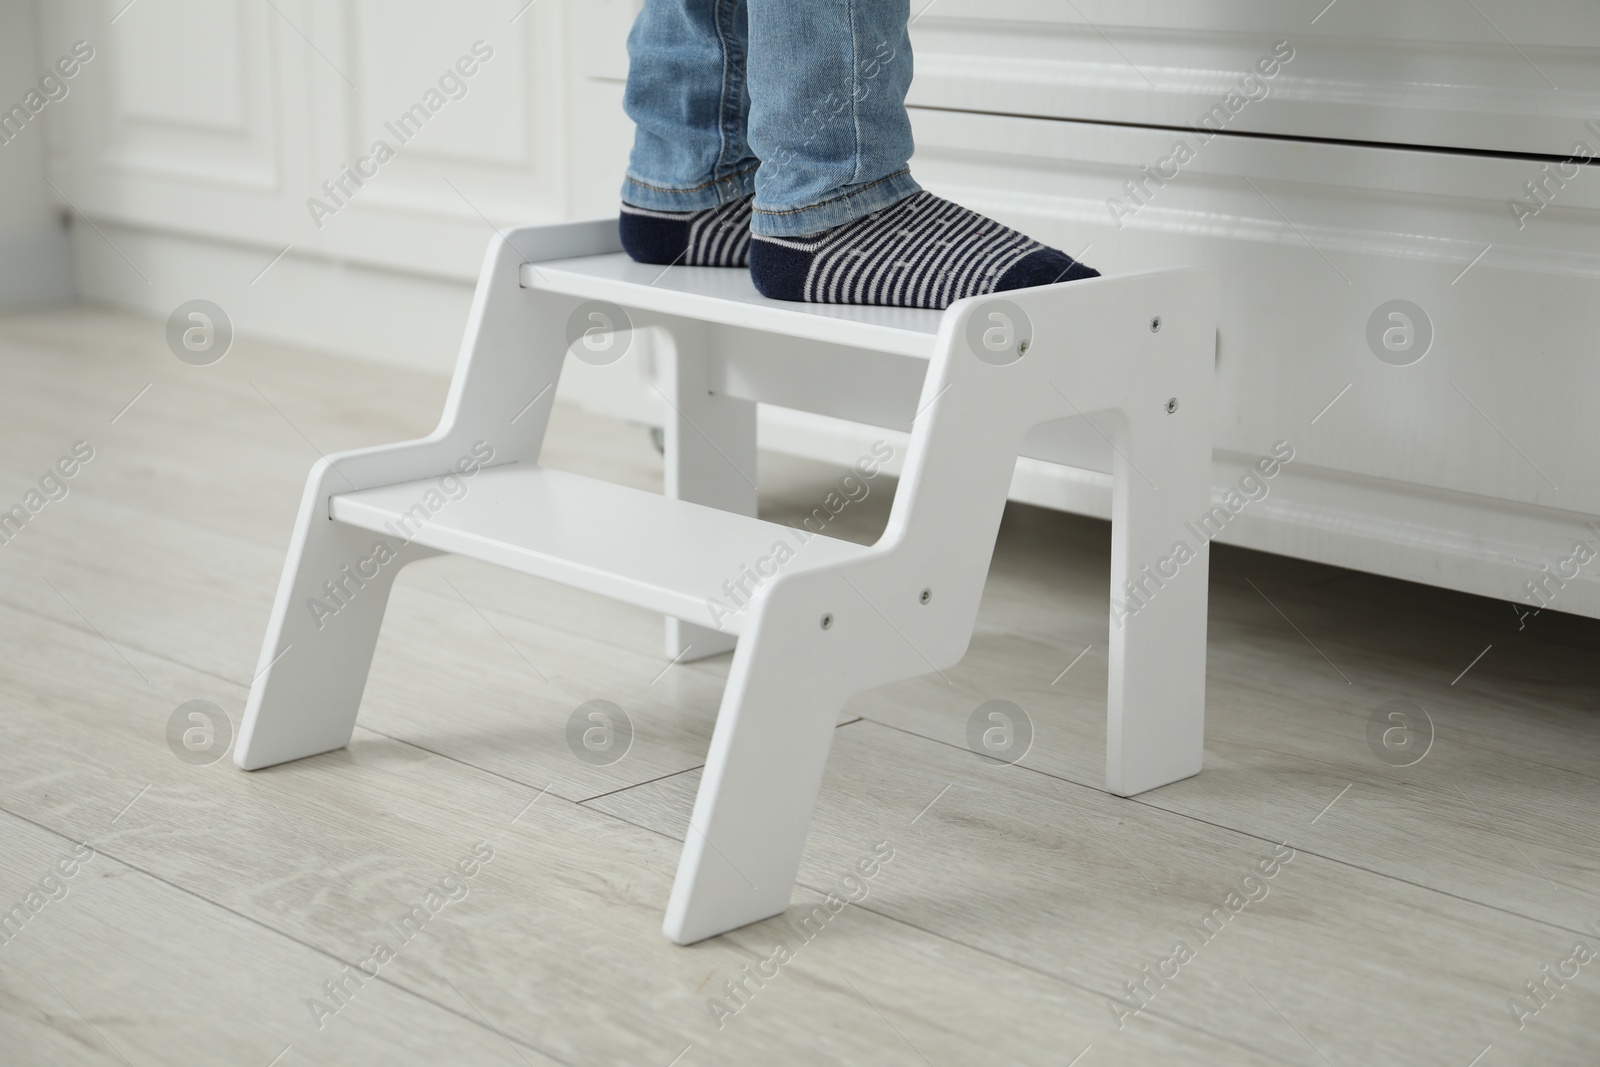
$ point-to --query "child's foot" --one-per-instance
(713, 237)
(921, 252)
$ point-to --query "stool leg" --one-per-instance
(1141, 349)
(742, 849)
(330, 601)
(321, 635)
(710, 459)
(1155, 730)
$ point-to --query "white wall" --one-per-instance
(34, 264)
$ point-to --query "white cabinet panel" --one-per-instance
(1424, 72)
(1310, 240)
(1470, 466)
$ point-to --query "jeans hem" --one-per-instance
(713, 193)
(858, 203)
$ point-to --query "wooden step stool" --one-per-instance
(838, 618)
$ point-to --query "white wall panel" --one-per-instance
(189, 95)
(223, 118)
(490, 158)
(601, 134)
(184, 63)
(142, 141)
(402, 54)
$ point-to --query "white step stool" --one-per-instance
(838, 618)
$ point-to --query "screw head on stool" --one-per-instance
(1155, 324)
(827, 620)
(1172, 405)
(926, 595)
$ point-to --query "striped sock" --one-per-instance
(712, 237)
(921, 252)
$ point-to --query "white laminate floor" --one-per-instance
(221, 916)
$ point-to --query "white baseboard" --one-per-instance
(392, 317)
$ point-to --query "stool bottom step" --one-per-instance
(639, 547)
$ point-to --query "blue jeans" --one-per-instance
(801, 102)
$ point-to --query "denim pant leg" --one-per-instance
(828, 81)
(688, 98)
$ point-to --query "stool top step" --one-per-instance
(635, 546)
(726, 295)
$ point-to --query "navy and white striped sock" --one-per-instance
(922, 252)
(712, 237)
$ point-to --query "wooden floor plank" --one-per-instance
(1498, 810)
(118, 966)
(557, 940)
(1091, 889)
